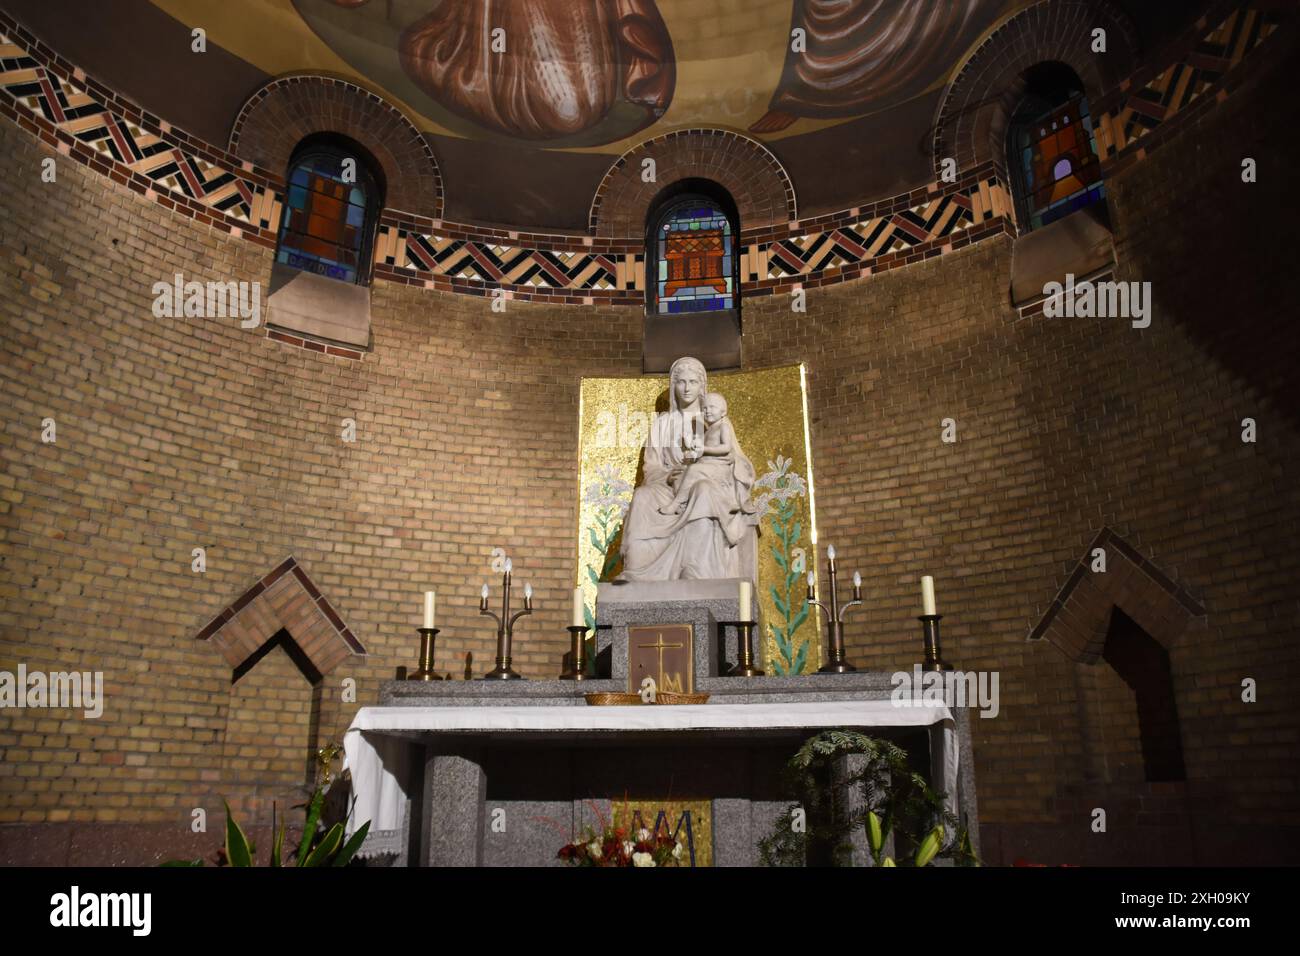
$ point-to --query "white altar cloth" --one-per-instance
(377, 756)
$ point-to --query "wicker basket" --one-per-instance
(668, 697)
(612, 700)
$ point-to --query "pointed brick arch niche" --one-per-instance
(281, 638)
(1119, 628)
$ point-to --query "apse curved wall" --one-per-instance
(182, 432)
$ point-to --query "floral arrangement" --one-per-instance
(618, 846)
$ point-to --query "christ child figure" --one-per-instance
(715, 457)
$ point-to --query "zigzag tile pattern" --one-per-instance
(862, 242)
(1175, 88)
(852, 244)
(70, 108)
(503, 265)
(46, 95)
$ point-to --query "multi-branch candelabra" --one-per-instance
(505, 625)
(833, 612)
(834, 616)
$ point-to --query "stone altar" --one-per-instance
(478, 773)
(494, 774)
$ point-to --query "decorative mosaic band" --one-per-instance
(1144, 103)
(95, 126)
(92, 124)
(934, 223)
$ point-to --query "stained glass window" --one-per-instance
(695, 259)
(327, 220)
(1059, 169)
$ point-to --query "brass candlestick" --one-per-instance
(578, 669)
(426, 671)
(505, 626)
(930, 637)
(745, 667)
(834, 616)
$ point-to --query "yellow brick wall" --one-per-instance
(183, 433)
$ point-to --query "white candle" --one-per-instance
(812, 580)
(510, 565)
(927, 595)
(428, 608)
(528, 593)
(746, 596)
(579, 615)
(830, 554)
(857, 581)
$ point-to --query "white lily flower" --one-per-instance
(642, 859)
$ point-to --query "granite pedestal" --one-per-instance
(707, 606)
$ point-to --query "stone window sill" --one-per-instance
(711, 337)
(320, 307)
(1078, 245)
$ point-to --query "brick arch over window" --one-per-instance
(756, 180)
(971, 123)
(288, 109)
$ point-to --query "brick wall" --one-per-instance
(183, 433)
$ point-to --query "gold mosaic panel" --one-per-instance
(768, 409)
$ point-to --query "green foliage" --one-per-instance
(891, 798)
(316, 849)
(791, 656)
(309, 828)
(238, 850)
(609, 522)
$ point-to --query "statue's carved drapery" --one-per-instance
(714, 535)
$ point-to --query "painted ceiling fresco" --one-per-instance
(571, 73)
(559, 72)
(524, 136)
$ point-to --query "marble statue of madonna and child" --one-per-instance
(691, 517)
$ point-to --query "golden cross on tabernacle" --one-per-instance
(661, 647)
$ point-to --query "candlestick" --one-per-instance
(426, 671)
(746, 595)
(745, 667)
(578, 662)
(930, 640)
(505, 625)
(927, 595)
(834, 616)
(429, 599)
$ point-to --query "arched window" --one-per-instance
(692, 242)
(1052, 152)
(330, 211)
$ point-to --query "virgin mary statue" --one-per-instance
(713, 534)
